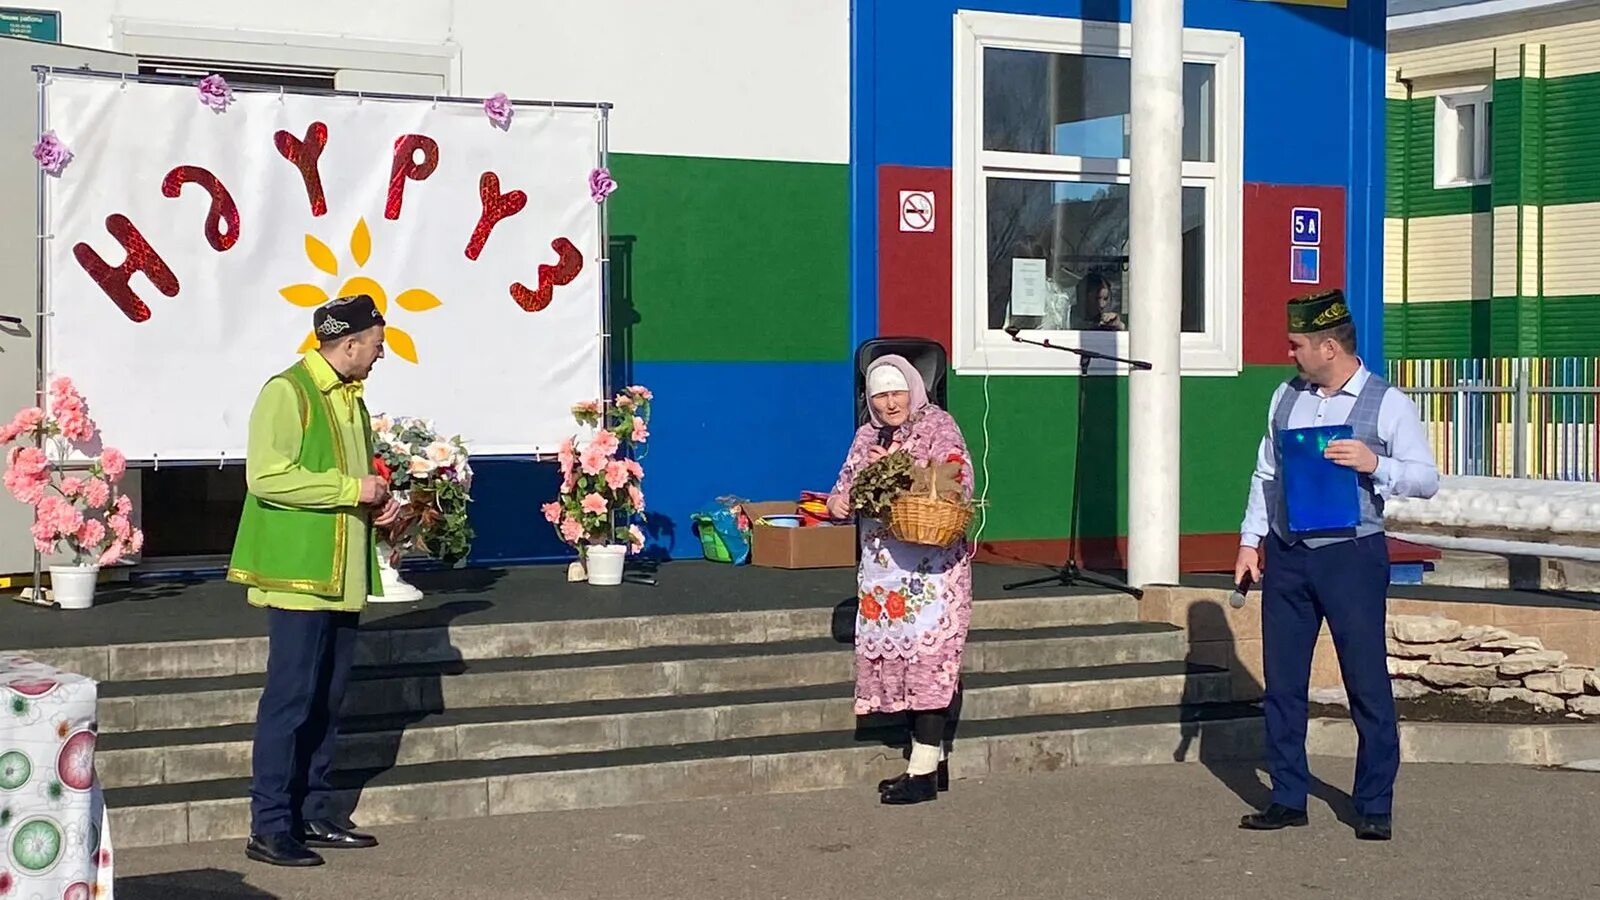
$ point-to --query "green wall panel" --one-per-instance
(1572, 139)
(1476, 329)
(1411, 192)
(718, 260)
(1033, 429)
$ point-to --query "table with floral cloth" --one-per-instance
(54, 842)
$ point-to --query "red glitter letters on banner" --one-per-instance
(496, 206)
(115, 280)
(223, 210)
(569, 264)
(406, 166)
(304, 154)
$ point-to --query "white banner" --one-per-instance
(494, 332)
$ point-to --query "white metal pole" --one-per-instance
(1155, 282)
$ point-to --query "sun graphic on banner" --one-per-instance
(311, 296)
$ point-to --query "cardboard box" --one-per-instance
(813, 547)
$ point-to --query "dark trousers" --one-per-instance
(308, 666)
(1345, 583)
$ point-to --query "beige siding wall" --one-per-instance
(1571, 38)
(1449, 257)
(1572, 250)
(1505, 251)
(1393, 260)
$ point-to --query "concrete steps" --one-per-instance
(449, 721)
(217, 810)
(144, 758)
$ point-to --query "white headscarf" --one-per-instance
(884, 379)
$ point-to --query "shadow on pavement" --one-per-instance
(194, 884)
(1212, 642)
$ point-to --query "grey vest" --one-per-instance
(1363, 421)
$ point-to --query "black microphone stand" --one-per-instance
(1070, 573)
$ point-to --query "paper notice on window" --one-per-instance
(1028, 287)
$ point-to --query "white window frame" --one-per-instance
(1446, 128)
(980, 349)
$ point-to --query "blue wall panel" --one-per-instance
(762, 431)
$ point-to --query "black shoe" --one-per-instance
(280, 849)
(941, 777)
(913, 789)
(330, 834)
(1375, 828)
(1274, 817)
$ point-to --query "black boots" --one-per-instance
(1274, 817)
(941, 778)
(330, 834)
(908, 789)
(280, 849)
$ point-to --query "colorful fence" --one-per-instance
(1511, 418)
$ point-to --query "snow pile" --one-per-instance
(1472, 503)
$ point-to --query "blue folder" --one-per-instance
(1320, 495)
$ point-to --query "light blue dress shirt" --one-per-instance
(1408, 471)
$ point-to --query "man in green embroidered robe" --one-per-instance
(305, 551)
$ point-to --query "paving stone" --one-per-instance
(594, 788)
(1536, 699)
(666, 728)
(1565, 682)
(1526, 662)
(149, 826)
(217, 820)
(857, 767)
(1459, 676)
(129, 768)
(1424, 629)
(798, 717)
(1021, 754)
(544, 737)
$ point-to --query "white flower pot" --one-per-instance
(395, 588)
(73, 586)
(605, 563)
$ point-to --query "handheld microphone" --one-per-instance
(1236, 599)
(886, 437)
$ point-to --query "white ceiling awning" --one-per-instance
(1405, 15)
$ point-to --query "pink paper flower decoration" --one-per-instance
(616, 474)
(601, 184)
(215, 93)
(594, 504)
(97, 493)
(552, 512)
(113, 463)
(593, 459)
(51, 154)
(499, 111)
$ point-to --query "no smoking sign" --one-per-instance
(916, 211)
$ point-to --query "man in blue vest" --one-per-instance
(1340, 576)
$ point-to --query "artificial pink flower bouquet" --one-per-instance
(600, 479)
(77, 505)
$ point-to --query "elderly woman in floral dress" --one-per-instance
(916, 601)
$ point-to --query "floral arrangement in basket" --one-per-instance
(601, 479)
(921, 503)
(431, 479)
(77, 505)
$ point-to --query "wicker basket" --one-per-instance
(927, 520)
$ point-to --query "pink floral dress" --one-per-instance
(916, 601)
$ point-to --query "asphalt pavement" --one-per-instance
(1129, 833)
